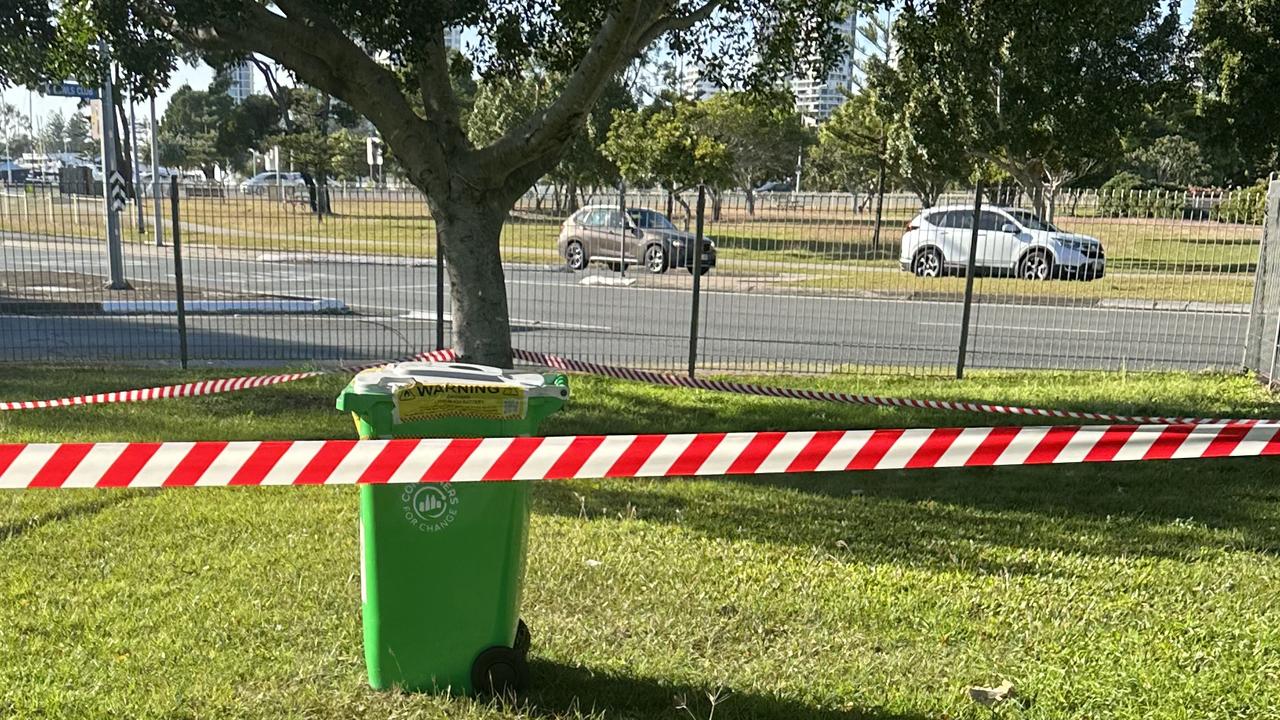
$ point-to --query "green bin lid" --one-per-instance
(375, 386)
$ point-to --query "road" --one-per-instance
(742, 328)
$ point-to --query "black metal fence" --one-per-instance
(796, 282)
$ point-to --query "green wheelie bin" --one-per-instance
(441, 565)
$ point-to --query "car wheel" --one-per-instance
(655, 259)
(928, 263)
(575, 256)
(1036, 265)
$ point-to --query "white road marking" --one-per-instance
(1019, 328)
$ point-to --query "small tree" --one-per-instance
(1172, 160)
(1043, 91)
(77, 134)
(761, 132)
(667, 146)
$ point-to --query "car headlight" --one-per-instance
(1071, 244)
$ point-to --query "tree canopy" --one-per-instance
(1043, 91)
(1238, 44)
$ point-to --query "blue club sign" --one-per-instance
(70, 89)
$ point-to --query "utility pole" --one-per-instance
(137, 172)
(155, 175)
(112, 201)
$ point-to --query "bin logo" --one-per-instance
(430, 507)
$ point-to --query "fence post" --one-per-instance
(1272, 235)
(697, 280)
(622, 213)
(970, 268)
(179, 293)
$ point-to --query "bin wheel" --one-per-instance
(523, 638)
(499, 671)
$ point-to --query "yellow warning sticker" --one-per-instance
(488, 401)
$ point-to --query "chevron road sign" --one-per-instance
(118, 196)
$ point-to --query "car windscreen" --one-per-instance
(1030, 221)
(650, 220)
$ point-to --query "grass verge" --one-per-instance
(1118, 591)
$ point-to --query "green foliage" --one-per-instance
(848, 151)
(324, 137)
(1239, 64)
(77, 132)
(1246, 205)
(761, 132)
(1172, 160)
(502, 103)
(1128, 195)
(202, 128)
(1043, 90)
(669, 146)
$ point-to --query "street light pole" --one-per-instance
(155, 176)
(137, 172)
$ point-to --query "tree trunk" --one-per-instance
(717, 200)
(751, 201)
(469, 230)
(571, 194)
(875, 234)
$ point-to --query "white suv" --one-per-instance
(1011, 242)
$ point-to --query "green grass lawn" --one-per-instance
(1112, 591)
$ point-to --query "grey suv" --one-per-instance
(647, 237)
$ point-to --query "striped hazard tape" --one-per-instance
(206, 387)
(621, 373)
(210, 387)
(346, 462)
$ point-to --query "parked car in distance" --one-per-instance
(601, 233)
(1011, 243)
(259, 183)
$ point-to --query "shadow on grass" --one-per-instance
(564, 691)
(16, 530)
(941, 518)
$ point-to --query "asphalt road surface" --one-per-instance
(742, 327)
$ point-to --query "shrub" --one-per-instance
(1126, 194)
(1246, 205)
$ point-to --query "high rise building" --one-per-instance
(818, 97)
(240, 80)
(695, 87)
(453, 38)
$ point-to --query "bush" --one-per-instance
(1126, 194)
(1246, 205)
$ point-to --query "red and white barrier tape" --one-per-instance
(566, 364)
(210, 387)
(346, 462)
(206, 387)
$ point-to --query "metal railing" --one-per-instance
(797, 282)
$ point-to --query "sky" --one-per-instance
(200, 77)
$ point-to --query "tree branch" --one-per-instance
(547, 132)
(678, 23)
(437, 93)
(328, 60)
